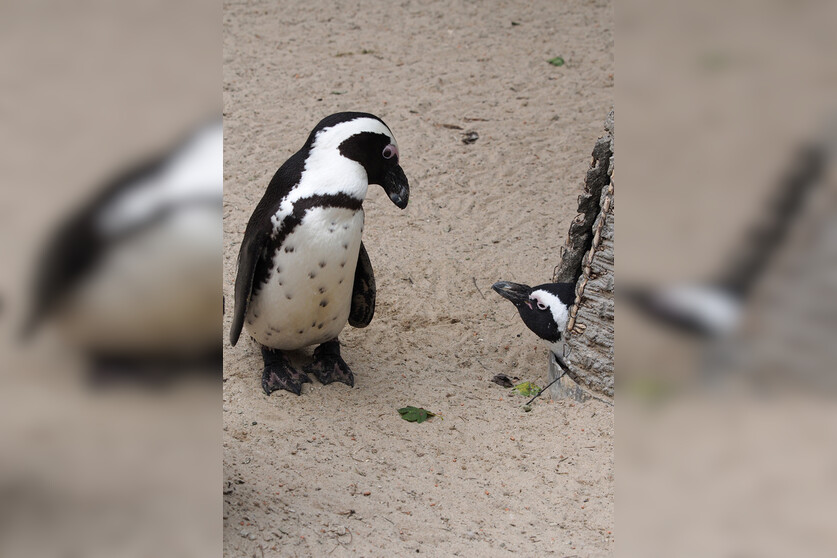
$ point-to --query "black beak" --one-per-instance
(515, 292)
(396, 186)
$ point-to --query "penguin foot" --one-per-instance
(279, 374)
(329, 367)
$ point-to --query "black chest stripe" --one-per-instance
(290, 223)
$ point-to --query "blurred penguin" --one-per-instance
(132, 279)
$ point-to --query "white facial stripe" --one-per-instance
(331, 138)
(560, 313)
(329, 172)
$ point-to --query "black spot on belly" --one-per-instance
(289, 249)
(280, 283)
(319, 326)
(345, 246)
(322, 290)
(324, 303)
(299, 332)
(322, 264)
(313, 324)
(278, 270)
(342, 264)
(345, 227)
(311, 274)
(288, 296)
(340, 282)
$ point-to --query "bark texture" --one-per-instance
(588, 260)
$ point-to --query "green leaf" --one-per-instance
(415, 414)
(557, 61)
(527, 389)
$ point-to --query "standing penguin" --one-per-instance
(303, 272)
(545, 309)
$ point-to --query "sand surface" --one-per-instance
(336, 471)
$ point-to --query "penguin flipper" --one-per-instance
(248, 257)
(363, 292)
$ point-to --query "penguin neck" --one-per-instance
(327, 172)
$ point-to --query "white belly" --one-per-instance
(308, 295)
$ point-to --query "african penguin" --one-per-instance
(545, 309)
(303, 272)
(130, 277)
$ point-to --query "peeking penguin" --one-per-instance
(545, 309)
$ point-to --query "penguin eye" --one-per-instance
(390, 151)
(541, 306)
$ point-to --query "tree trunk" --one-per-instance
(587, 260)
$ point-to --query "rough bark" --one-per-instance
(588, 260)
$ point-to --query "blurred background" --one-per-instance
(111, 156)
(727, 274)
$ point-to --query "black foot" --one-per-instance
(279, 374)
(328, 367)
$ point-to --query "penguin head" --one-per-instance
(545, 309)
(365, 139)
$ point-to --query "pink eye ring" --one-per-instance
(390, 151)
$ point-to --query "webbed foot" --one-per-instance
(279, 374)
(328, 366)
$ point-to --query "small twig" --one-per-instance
(544, 389)
(566, 370)
(478, 288)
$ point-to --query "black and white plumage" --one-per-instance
(130, 277)
(303, 272)
(545, 309)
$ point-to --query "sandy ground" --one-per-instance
(336, 471)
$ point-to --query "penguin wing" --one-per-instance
(252, 248)
(363, 292)
(258, 233)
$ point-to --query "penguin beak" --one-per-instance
(396, 186)
(515, 292)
